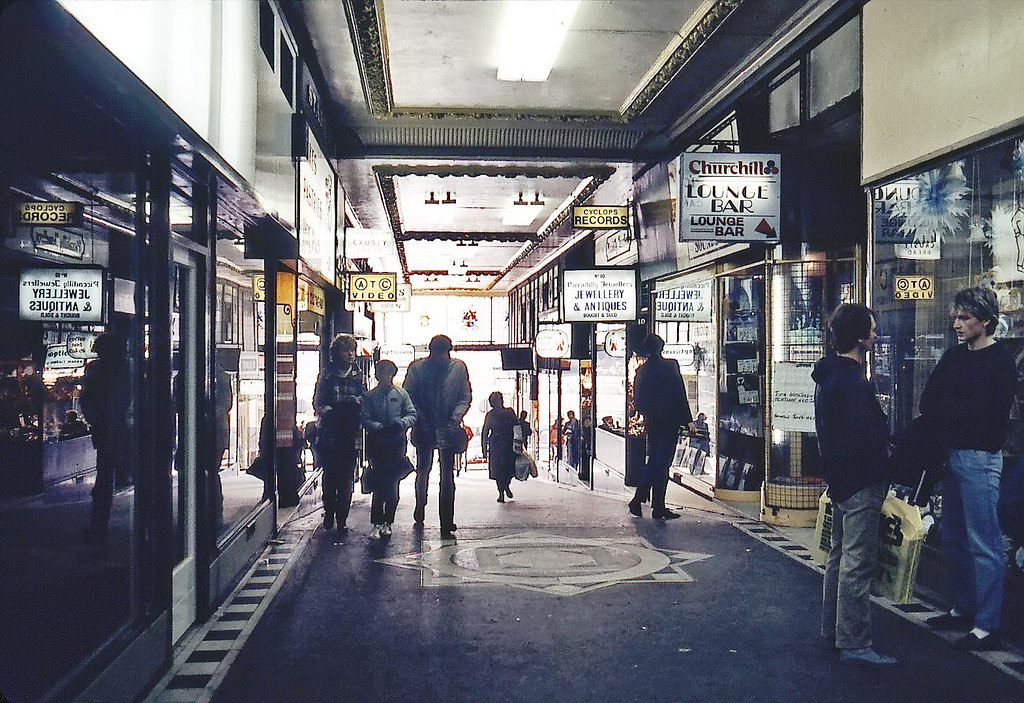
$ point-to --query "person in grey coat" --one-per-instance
(440, 390)
(387, 412)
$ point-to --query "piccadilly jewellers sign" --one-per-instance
(730, 197)
(61, 295)
(599, 295)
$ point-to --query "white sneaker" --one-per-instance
(376, 532)
(386, 529)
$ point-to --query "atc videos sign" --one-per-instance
(730, 197)
(599, 295)
(372, 287)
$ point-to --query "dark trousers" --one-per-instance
(338, 478)
(661, 447)
(446, 500)
(107, 458)
(384, 502)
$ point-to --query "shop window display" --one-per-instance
(68, 555)
(954, 225)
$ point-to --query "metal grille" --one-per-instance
(804, 293)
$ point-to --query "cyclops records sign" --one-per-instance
(601, 295)
(729, 197)
(61, 295)
(600, 217)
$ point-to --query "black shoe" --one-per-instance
(447, 534)
(501, 497)
(664, 514)
(948, 621)
(635, 509)
(417, 517)
(328, 521)
(972, 643)
(342, 528)
(508, 492)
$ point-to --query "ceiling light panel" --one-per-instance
(532, 32)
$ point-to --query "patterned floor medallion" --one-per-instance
(554, 564)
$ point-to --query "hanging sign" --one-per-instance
(401, 354)
(689, 303)
(615, 343)
(311, 297)
(599, 295)
(683, 353)
(553, 342)
(403, 302)
(364, 243)
(730, 197)
(259, 287)
(907, 287)
(79, 345)
(58, 359)
(600, 217)
(61, 295)
(372, 287)
(51, 213)
(929, 250)
(792, 397)
(58, 241)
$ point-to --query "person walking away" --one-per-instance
(524, 428)
(440, 391)
(105, 397)
(967, 400)
(659, 395)
(572, 439)
(336, 399)
(497, 437)
(853, 437)
(387, 413)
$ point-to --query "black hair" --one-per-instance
(385, 365)
(850, 323)
(653, 345)
(440, 344)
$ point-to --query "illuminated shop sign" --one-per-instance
(372, 287)
(50, 213)
(553, 342)
(599, 295)
(689, 303)
(730, 197)
(316, 209)
(400, 354)
(600, 217)
(61, 295)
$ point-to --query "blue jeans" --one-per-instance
(971, 536)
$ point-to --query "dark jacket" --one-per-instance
(853, 435)
(659, 395)
(337, 398)
(440, 390)
(105, 398)
(496, 438)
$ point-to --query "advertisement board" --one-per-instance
(599, 295)
(61, 295)
(553, 342)
(316, 209)
(730, 197)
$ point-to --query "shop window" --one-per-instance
(954, 225)
(267, 31)
(833, 68)
(287, 71)
(784, 102)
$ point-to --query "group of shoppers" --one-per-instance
(433, 400)
(966, 404)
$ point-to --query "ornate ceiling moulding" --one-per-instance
(578, 171)
(470, 236)
(699, 33)
(588, 118)
(580, 198)
(366, 23)
(387, 173)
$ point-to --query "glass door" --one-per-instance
(185, 311)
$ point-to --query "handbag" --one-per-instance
(457, 439)
(259, 468)
(366, 479)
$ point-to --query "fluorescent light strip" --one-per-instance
(521, 214)
(531, 35)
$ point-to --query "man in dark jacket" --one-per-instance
(336, 399)
(659, 395)
(853, 437)
(440, 390)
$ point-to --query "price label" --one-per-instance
(906, 287)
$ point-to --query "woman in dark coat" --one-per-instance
(496, 439)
